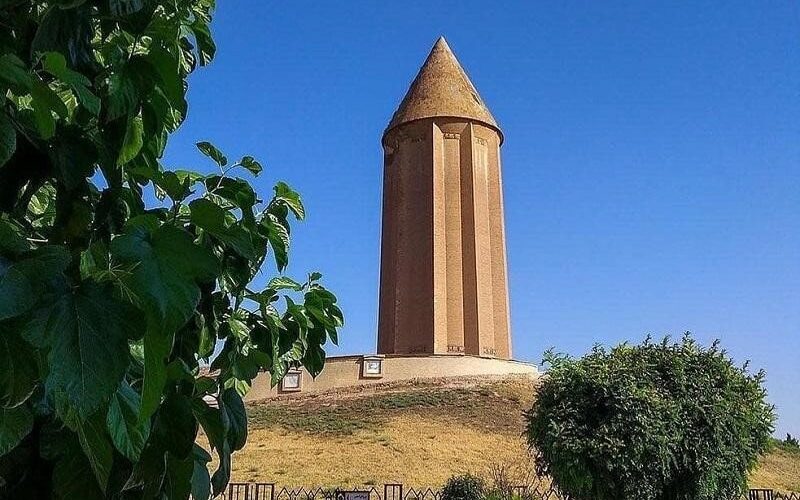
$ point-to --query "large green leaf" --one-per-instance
(216, 424)
(12, 241)
(157, 347)
(232, 403)
(278, 235)
(20, 374)
(74, 157)
(55, 64)
(226, 429)
(122, 96)
(284, 283)
(212, 152)
(73, 476)
(15, 424)
(291, 199)
(175, 426)
(237, 191)
(42, 208)
(320, 304)
(208, 215)
(201, 482)
(133, 140)
(220, 478)
(287, 345)
(86, 331)
(169, 81)
(45, 102)
(127, 433)
(24, 282)
(212, 218)
(14, 72)
(251, 165)
(149, 471)
(168, 268)
(178, 481)
(314, 356)
(176, 187)
(96, 446)
(206, 47)
(16, 291)
(8, 138)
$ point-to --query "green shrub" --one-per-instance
(661, 421)
(464, 487)
(790, 444)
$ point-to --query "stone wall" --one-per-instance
(348, 371)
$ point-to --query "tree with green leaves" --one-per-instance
(655, 421)
(111, 300)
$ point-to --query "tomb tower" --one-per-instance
(443, 284)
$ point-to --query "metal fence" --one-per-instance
(397, 491)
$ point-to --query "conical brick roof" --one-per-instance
(442, 88)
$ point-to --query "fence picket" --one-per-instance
(397, 491)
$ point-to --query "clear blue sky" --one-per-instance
(651, 162)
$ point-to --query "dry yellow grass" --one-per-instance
(416, 433)
(410, 449)
(779, 470)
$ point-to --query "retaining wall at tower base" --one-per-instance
(349, 371)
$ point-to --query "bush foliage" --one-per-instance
(656, 421)
(790, 444)
(464, 487)
(111, 298)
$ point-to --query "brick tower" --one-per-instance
(443, 255)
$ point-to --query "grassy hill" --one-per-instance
(418, 433)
